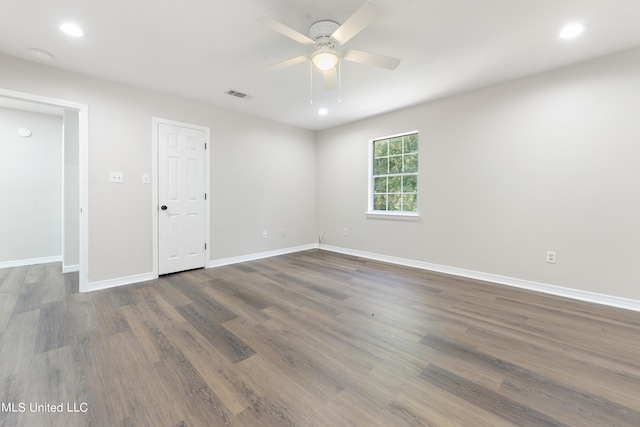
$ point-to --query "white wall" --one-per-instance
(262, 174)
(507, 173)
(30, 186)
(263, 178)
(71, 189)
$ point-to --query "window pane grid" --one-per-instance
(395, 178)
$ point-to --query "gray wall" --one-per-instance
(30, 186)
(262, 173)
(507, 173)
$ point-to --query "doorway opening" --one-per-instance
(74, 224)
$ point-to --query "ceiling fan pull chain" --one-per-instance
(310, 82)
(339, 83)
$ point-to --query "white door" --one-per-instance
(181, 198)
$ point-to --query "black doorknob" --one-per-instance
(163, 207)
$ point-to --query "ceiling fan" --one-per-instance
(327, 38)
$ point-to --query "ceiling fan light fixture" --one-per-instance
(325, 60)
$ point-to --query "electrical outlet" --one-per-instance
(551, 257)
(265, 234)
(283, 232)
(345, 232)
(116, 177)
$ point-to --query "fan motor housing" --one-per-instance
(321, 31)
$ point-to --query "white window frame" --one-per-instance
(371, 213)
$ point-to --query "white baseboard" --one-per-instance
(260, 255)
(608, 300)
(32, 261)
(70, 268)
(576, 294)
(120, 281)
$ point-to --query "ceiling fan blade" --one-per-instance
(330, 78)
(361, 19)
(371, 59)
(287, 63)
(279, 27)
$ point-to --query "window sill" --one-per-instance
(399, 216)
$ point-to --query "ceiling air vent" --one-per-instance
(238, 94)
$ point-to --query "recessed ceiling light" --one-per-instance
(323, 111)
(40, 54)
(571, 31)
(72, 29)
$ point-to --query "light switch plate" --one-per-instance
(146, 178)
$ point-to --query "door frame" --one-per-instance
(155, 207)
(83, 162)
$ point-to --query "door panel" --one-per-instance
(181, 195)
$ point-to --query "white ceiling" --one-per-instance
(199, 49)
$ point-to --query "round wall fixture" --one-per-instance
(24, 132)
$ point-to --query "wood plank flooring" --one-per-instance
(310, 339)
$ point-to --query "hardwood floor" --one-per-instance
(310, 339)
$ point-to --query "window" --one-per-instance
(394, 175)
